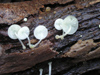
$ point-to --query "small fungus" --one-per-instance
(81, 35)
(16, 32)
(25, 19)
(41, 71)
(99, 25)
(23, 33)
(13, 33)
(40, 33)
(69, 26)
(50, 67)
(73, 22)
(48, 9)
(58, 24)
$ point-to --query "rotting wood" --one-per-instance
(16, 61)
(88, 27)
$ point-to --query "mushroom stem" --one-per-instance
(37, 43)
(29, 43)
(50, 63)
(63, 35)
(41, 71)
(23, 46)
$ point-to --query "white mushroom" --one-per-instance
(13, 33)
(59, 26)
(25, 19)
(66, 30)
(50, 67)
(73, 22)
(99, 25)
(69, 26)
(58, 23)
(41, 71)
(40, 33)
(23, 33)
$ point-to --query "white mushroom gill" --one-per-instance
(13, 33)
(41, 71)
(40, 33)
(69, 26)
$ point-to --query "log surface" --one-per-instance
(68, 55)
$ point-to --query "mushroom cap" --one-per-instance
(12, 30)
(73, 22)
(23, 33)
(65, 27)
(40, 32)
(58, 23)
(25, 19)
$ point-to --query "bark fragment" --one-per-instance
(80, 49)
(14, 62)
(14, 12)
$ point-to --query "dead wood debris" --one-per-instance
(88, 18)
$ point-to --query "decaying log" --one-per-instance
(80, 49)
(14, 12)
(13, 61)
(83, 46)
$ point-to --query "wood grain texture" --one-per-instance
(87, 50)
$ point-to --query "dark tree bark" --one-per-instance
(75, 55)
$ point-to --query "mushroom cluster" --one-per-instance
(69, 25)
(17, 32)
(50, 69)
